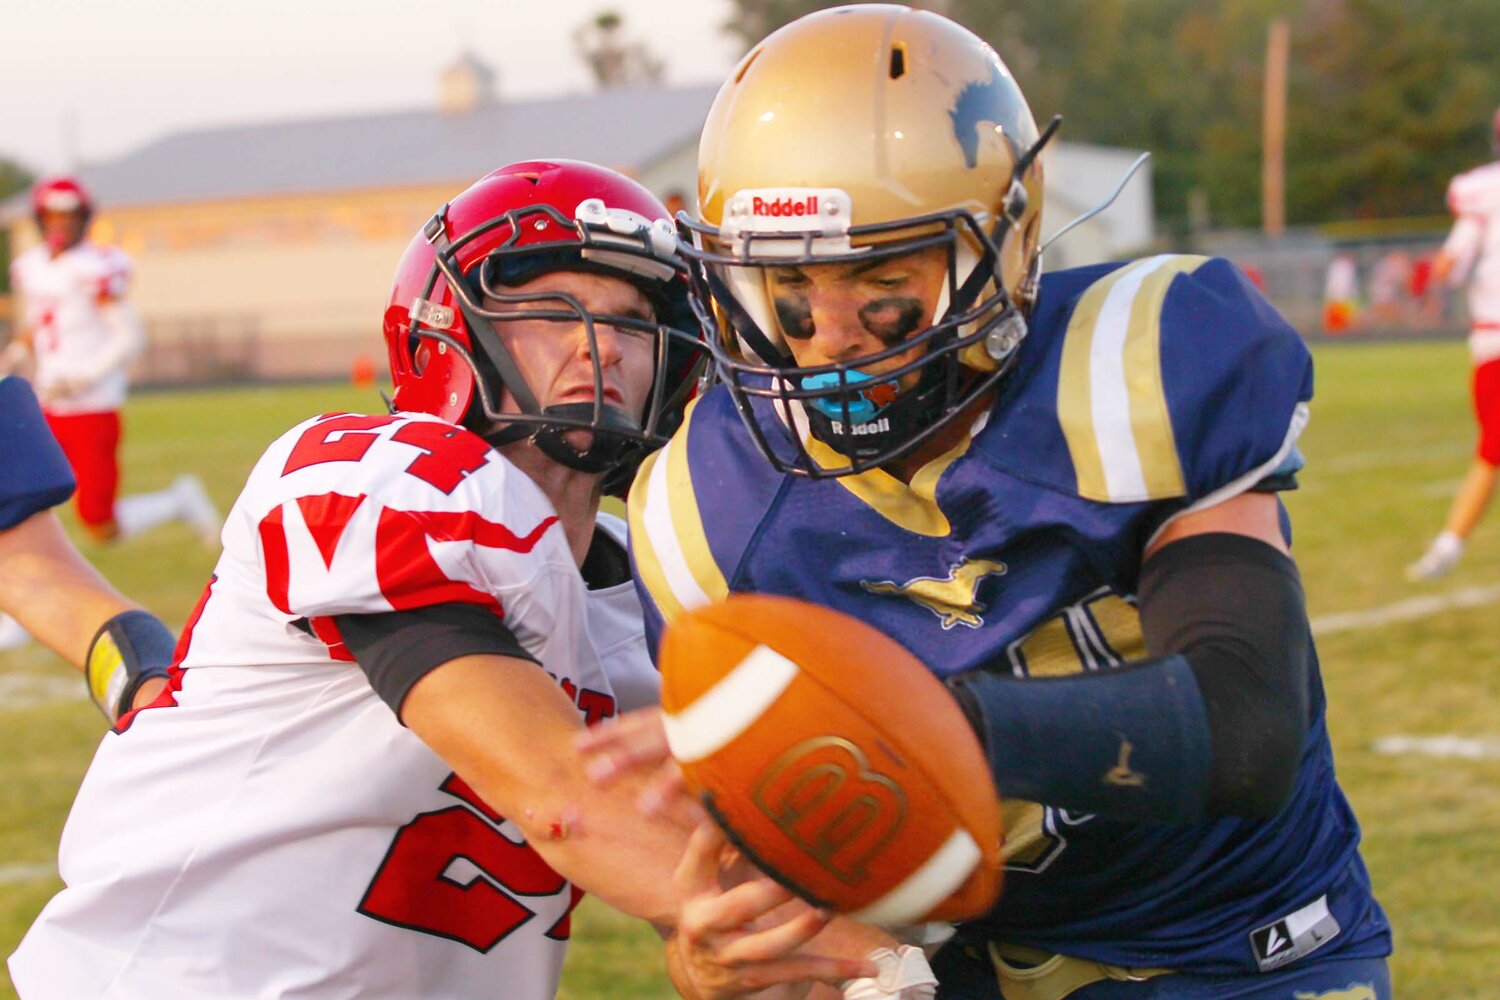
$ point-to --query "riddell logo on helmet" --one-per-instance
(778, 208)
(857, 430)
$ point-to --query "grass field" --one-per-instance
(1389, 440)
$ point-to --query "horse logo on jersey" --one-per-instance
(952, 599)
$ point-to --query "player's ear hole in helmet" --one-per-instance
(816, 153)
(512, 226)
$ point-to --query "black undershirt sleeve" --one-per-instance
(1233, 607)
(1210, 724)
(398, 648)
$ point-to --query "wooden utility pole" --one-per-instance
(1273, 145)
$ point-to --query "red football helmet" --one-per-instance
(62, 193)
(514, 224)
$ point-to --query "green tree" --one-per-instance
(614, 61)
(1384, 109)
(1387, 99)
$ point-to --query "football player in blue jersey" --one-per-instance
(1059, 491)
(50, 589)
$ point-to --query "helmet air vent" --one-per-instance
(745, 66)
(898, 61)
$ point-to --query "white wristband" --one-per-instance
(904, 975)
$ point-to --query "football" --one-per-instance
(833, 758)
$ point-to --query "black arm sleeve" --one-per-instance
(399, 648)
(1233, 607)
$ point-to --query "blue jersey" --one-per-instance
(34, 475)
(1143, 391)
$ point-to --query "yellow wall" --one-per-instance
(289, 285)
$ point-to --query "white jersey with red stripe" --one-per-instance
(1474, 243)
(61, 297)
(276, 832)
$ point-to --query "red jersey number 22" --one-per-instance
(412, 889)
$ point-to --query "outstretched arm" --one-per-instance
(65, 603)
(1212, 724)
(508, 729)
(713, 915)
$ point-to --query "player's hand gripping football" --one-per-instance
(708, 944)
(739, 933)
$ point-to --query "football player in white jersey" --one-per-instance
(361, 780)
(81, 332)
(1472, 253)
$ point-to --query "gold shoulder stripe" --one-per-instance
(1110, 397)
(676, 566)
(688, 519)
(647, 565)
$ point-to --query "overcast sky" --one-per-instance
(92, 79)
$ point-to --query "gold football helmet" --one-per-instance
(852, 133)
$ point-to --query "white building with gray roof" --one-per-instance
(266, 250)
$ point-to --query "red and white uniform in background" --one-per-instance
(1474, 245)
(84, 334)
(276, 831)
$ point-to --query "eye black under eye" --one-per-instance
(795, 317)
(892, 319)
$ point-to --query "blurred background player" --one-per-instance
(53, 592)
(1472, 253)
(1059, 491)
(81, 333)
(1341, 294)
(364, 782)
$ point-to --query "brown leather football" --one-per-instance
(833, 758)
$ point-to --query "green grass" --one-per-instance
(1390, 437)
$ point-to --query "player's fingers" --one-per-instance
(777, 941)
(802, 969)
(633, 740)
(751, 961)
(699, 881)
(733, 910)
(618, 733)
(715, 978)
(667, 796)
(697, 873)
